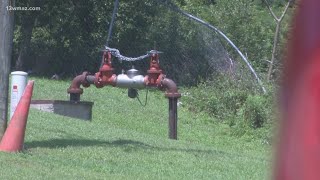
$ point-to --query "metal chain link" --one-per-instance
(116, 53)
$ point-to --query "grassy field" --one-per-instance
(127, 141)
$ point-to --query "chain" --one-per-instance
(116, 53)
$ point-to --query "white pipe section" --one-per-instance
(136, 82)
(18, 84)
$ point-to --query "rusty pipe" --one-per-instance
(170, 87)
(173, 118)
(74, 90)
(172, 94)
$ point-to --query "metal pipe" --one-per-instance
(90, 79)
(172, 94)
(18, 84)
(74, 97)
(173, 118)
(74, 90)
(134, 82)
(170, 88)
(124, 81)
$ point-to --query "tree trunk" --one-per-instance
(276, 35)
(6, 42)
(274, 50)
(26, 31)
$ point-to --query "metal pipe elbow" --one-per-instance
(77, 82)
(170, 88)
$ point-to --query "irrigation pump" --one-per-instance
(132, 81)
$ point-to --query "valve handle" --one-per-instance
(107, 57)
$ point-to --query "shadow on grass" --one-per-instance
(127, 145)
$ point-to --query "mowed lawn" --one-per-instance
(127, 141)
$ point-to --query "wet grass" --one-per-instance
(127, 141)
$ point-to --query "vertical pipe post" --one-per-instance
(6, 42)
(173, 117)
(74, 97)
(18, 84)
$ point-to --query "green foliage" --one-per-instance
(219, 102)
(254, 111)
(68, 35)
(248, 24)
(236, 103)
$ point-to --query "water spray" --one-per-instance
(175, 8)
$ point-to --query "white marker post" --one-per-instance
(18, 84)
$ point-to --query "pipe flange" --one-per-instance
(85, 83)
(75, 90)
(159, 81)
(97, 81)
(172, 95)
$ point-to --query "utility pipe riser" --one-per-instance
(18, 84)
(173, 118)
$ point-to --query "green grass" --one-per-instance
(127, 141)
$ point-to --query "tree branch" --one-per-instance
(271, 12)
(285, 10)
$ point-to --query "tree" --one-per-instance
(276, 34)
(28, 20)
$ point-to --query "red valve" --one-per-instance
(155, 75)
(105, 75)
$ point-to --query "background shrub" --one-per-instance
(234, 102)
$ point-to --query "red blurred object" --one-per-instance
(298, 155)
(13, 138)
